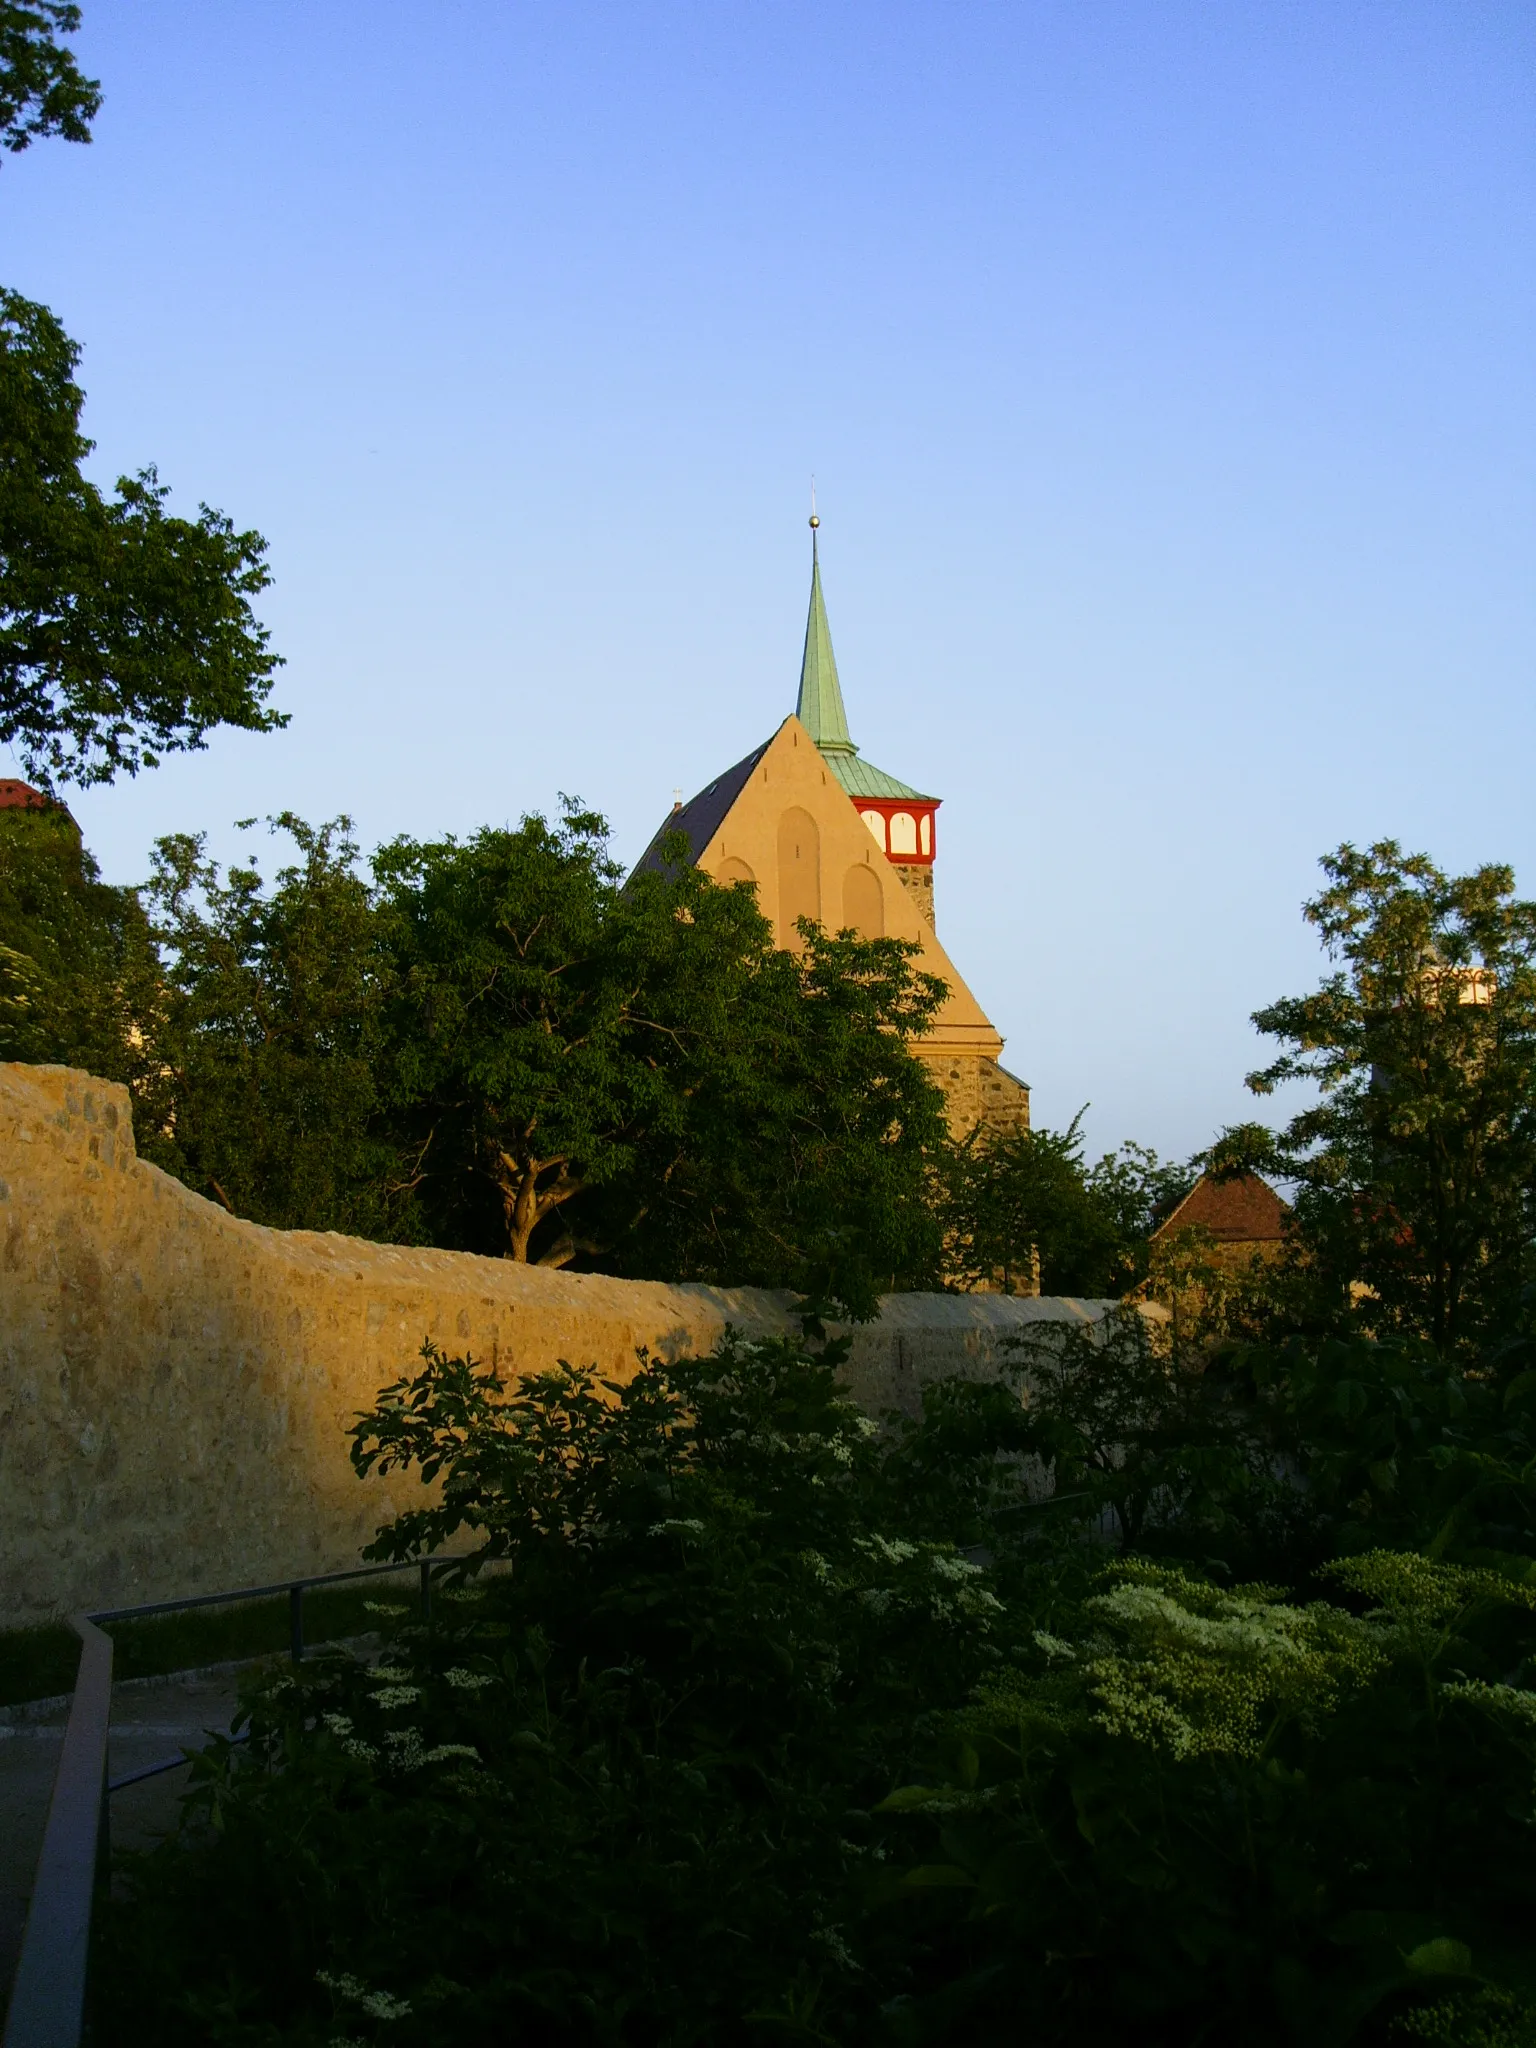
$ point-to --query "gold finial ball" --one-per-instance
(814, 520)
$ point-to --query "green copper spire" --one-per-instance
(820, 709)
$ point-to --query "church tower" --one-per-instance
(901, 819)
(818, 832)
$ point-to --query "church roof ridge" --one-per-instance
(699, 819)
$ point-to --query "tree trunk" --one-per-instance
(525, 1203)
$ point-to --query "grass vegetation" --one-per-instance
(40, 1663)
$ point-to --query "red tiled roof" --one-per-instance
(1242, 1211)
(20, 796)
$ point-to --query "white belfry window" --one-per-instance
(925, 832)
(903, 832)
(876, 824)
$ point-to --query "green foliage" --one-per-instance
(640, 1079)
(1416, 1168)
(1482, 2018)
(637, 1785)
(511, 1021)
(807, 1153)
(267, 1035)
(491, 1047)
(1273, 1456)
(76, 957)
(1189, 1813)
(620, 1791)
(1024, 1214)
(125, 633)
(1137, 1443)
(42, 90)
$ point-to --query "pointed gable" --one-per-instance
(790, 830)
(1243, 1210)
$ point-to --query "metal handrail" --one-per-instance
(47, 2006)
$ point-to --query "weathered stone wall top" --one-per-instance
(176, 1384)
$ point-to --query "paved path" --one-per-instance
(152, 1718)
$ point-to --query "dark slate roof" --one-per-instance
(1242, 1211)
(700, 818)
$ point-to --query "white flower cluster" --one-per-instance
(1249, 1628)
(831, 1943)
(1197, 1671)
(677, 1525)
(1506, 1699)
(1416, 1590)
(378, 2005)
(957, 1593)
(407, 1752)
(389, 1696)
(340, 1725)
(949, 1566)
(468, 1681)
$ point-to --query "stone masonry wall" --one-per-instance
(977, 1091)
(176, 1385)
(916, 878)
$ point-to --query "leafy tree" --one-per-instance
(1417, 1167)
(1025, 1214)
(1139, 1190)
(267, 1034)
(806, 1151)
(1142, 1443)
(125, 632)
(42, 91)
(77, 964)
(641, 1079)
(518, 1084)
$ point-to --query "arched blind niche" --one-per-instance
(863, 905)
(732, 871)
(799, 873)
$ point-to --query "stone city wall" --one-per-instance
(176, 1385)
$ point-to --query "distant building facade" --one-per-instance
(821, 833)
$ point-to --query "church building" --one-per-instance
(823, 834)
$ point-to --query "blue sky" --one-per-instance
(1166, 370)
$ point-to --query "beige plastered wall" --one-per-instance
(176, 1385)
